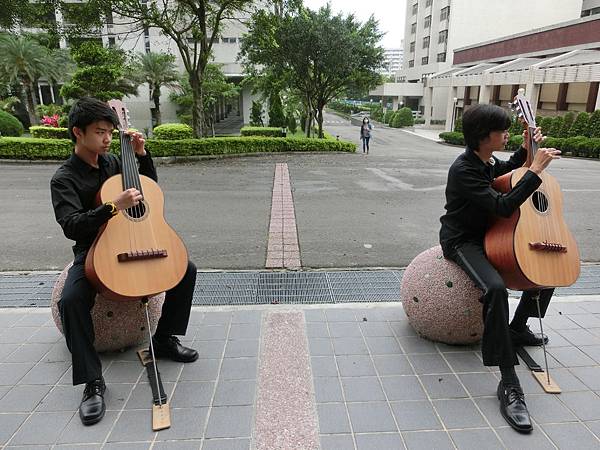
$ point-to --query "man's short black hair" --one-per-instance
(88, 110)
(479, 120)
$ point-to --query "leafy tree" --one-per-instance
(100, 73)
(557, 125)
(594, 124)
(291, 123)
(256, 114)
(10, 125)
(546, 125)
(568, 120)
(276, 115)
(405, 117)
(317, 54)
(158, 70)
(580, 126)
(17, 14)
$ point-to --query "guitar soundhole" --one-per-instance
(540, 201)
(137, 213)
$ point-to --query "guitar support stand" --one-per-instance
(161, 413)
(542, 377)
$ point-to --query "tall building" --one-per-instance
(435, 28)
(392, 61)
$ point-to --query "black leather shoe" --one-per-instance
(92, 407)
(527, 337)
(513, 407)
(171, 348)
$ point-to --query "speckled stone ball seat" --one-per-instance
(440, 300)
(117, 324)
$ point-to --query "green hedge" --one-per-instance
(173, 131)
(452, 137)
(261, 131)
(10, 125)
(30, 148)
(39, 132)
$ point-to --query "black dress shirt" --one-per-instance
(74, 188)
(471, 200)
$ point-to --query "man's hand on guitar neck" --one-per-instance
(127, 199)
(137, 142)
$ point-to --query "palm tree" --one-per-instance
(24, 61)
(158, 70)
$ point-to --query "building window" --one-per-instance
(415, 8)
(444, 13)
(228, 40)
(425, 60)
(111, 42)
(412, 47)
(402, 80)
(427, 22)
(441, 57)
(426, 42)
(443, 37)
(428, 3)
(411, 63)
(413, 28)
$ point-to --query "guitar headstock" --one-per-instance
(122, 112)
(523, 109)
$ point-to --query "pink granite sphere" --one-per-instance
(440, 300)
(117, 324)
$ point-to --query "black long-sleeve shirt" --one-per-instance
(471, 200)
(74, 187)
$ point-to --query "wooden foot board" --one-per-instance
(161, 412)
(543, 378)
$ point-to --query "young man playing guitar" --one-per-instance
(470, 202)
(74, 187)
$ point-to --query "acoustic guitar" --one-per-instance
(533, 248)
(136, 254)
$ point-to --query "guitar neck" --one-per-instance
(533, 146)
(131, 176)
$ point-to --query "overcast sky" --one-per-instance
(389, 14)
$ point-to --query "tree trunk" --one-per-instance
(197, 110)
(320, 120)
(31, 103)
(156, 110)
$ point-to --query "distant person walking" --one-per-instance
(365, 134)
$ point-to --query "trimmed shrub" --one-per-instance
(396, 120)
(276, 114)
(39, 132)
(387, 117)
(261, 131)
(568, 120)
(419, 121)
(546, 125)
(292, 124)
(377, 113)
(557, 124)
(580, 126)
(594, 124)
(31, 148)
(453, 137)
(173, 131)
(256, 114)
(458, 125)
(516, 127)
(514, 143)
(405, 117)
(10, 125)
(576, 145)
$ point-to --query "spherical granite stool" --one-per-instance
(117, 324)
(440, 300)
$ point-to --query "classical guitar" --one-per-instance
(534, 247)
(136, 254)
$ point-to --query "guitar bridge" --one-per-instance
(142, 254)
(548, 247)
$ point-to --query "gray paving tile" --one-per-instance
(9, 423)
(479, 384)
(490, 406)
(465, 362)
(11, 373)
(593, 351)
(571, 357)
(189, 394)
(320, 347)
(362, 389)
(328, 389)
(78, 447)
(383, 346)
(59, 352)
(567, 381)
(580, 337)
(586, 320)
(314, 315)
(177, 445)
(376, 329)
(215, 318)
(45, 373)
(481, 439)
(355, 366)
(590, 376)
(133, 425)
(317, 330)
(594, 426)
(60, 398)
(124, 372)
(246, 317)
(585, 405)
(244, 331)
(323, 366)
(349, 346)
(210, 349)
(211, 332)
(23, 398)
(229, 422)
(429, 364)
(127, 445)
(571, 435)
(17, 335)
(225, 444)
(6, 350)
(34, 319)
(337, 442)
(333, 418)
(405, 387)
(416, 345)
(235, 393)
(545, 408)
(41, 428)
(141, 395)
(115, 397)
(371, 417)
(469, 415)
(378, 441)
(201, 370)
(46, 335)
(242, 348)
(416, 415)
(77, 433)
(186, 423)
(392, 365)
(239, 368)
(340, 315)
(534, 440)
(419, 440)
(403, 328)
(443, 386)
(344, 329)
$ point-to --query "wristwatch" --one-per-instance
(113, 208)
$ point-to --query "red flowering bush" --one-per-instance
(50, 121)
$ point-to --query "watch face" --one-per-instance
(492, 161)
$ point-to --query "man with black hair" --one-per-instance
(74, 187)
(470, 202)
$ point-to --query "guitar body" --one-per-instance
(134, 257)
(508, 240)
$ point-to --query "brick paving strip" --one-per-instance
(286, 415)
(283, 250)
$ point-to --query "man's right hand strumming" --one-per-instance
(543, 158)
(127, 199)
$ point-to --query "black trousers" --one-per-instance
(496, 345)
(75, 307)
